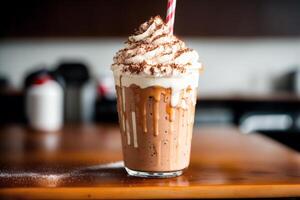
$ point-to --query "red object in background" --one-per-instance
(41, 80)
(106, 87)
(102, 90)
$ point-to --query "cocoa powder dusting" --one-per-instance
(178, 53)
(160, 55)
(152, 70)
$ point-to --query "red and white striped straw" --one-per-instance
(171, 14)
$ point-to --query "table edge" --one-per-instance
(165, 192)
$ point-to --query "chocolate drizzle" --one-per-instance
(155, 132)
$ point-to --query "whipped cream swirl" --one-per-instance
(153, 51)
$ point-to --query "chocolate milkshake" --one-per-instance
(156, 78)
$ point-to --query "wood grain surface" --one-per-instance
(84, 162)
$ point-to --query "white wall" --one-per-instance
(231, 65)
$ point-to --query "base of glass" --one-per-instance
(153, 174)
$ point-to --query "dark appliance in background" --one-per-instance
(281, 126)
(277, 117)
(12, 108)
(280, 118)
(80, 93)
(289, 82)
(106, 109)
(4, 83)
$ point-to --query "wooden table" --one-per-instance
(84, 162)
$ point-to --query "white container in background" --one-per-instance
(44, 104)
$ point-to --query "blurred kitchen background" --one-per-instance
(250, 50)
